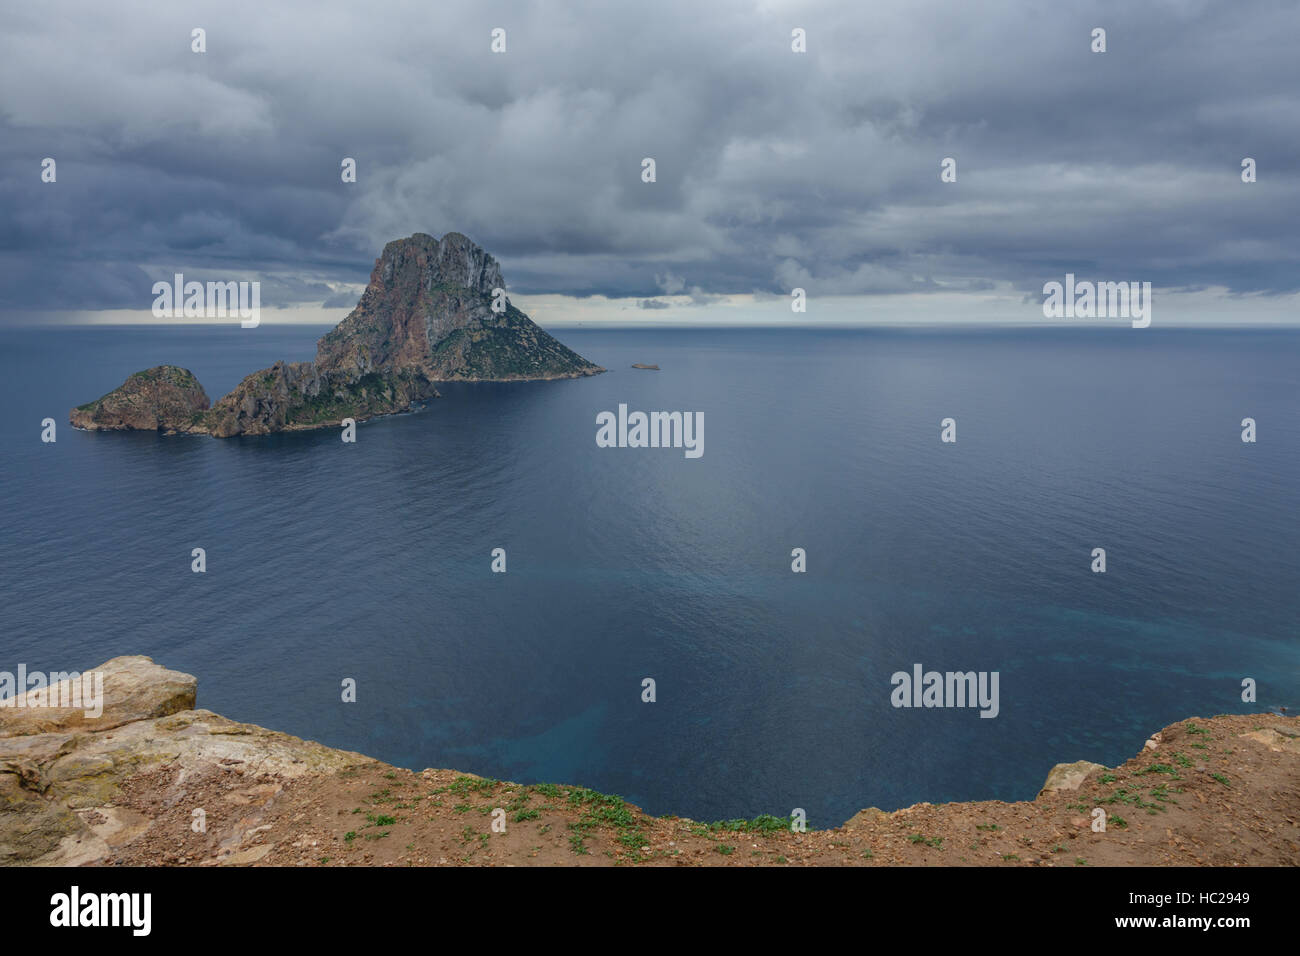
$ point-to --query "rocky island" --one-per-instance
(124, 787)
(426, 317)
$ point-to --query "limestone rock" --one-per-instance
(1278, 739)
(870, 815)
(1068, 776)
(427, 316)
(429, 308)
(63, 775)
(302, 395)
(133, 688)
(163, 398)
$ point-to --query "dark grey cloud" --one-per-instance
(341, 300)
(774, 169)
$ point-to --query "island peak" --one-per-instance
(435, 310)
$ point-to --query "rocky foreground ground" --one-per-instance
(124, 788)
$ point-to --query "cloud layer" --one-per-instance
(774, 169)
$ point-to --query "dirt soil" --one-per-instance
(1221, 791)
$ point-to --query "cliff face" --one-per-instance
(163, 398)
(125, 783)
(428, 309)
(421, 289)
(300, 395)
(70, 783)
(425, 317)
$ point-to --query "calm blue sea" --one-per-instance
(372, 561)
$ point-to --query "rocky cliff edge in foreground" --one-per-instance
(127, 786)
(427, 316)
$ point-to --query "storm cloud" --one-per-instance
(774, 169)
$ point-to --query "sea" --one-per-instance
(649, 636)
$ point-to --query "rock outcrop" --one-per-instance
(1068, 776)
(433, 312)
(301, 395)
(164, 398)
(148, 779)
(66, 780)
(132, 688)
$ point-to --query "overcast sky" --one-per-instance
(775, 169)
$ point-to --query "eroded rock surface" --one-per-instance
(153, 781)
(75, 789)
(1069, 776)
(427, 316)
(164, 398)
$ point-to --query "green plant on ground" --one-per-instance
(605, 810)
(764, 823)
